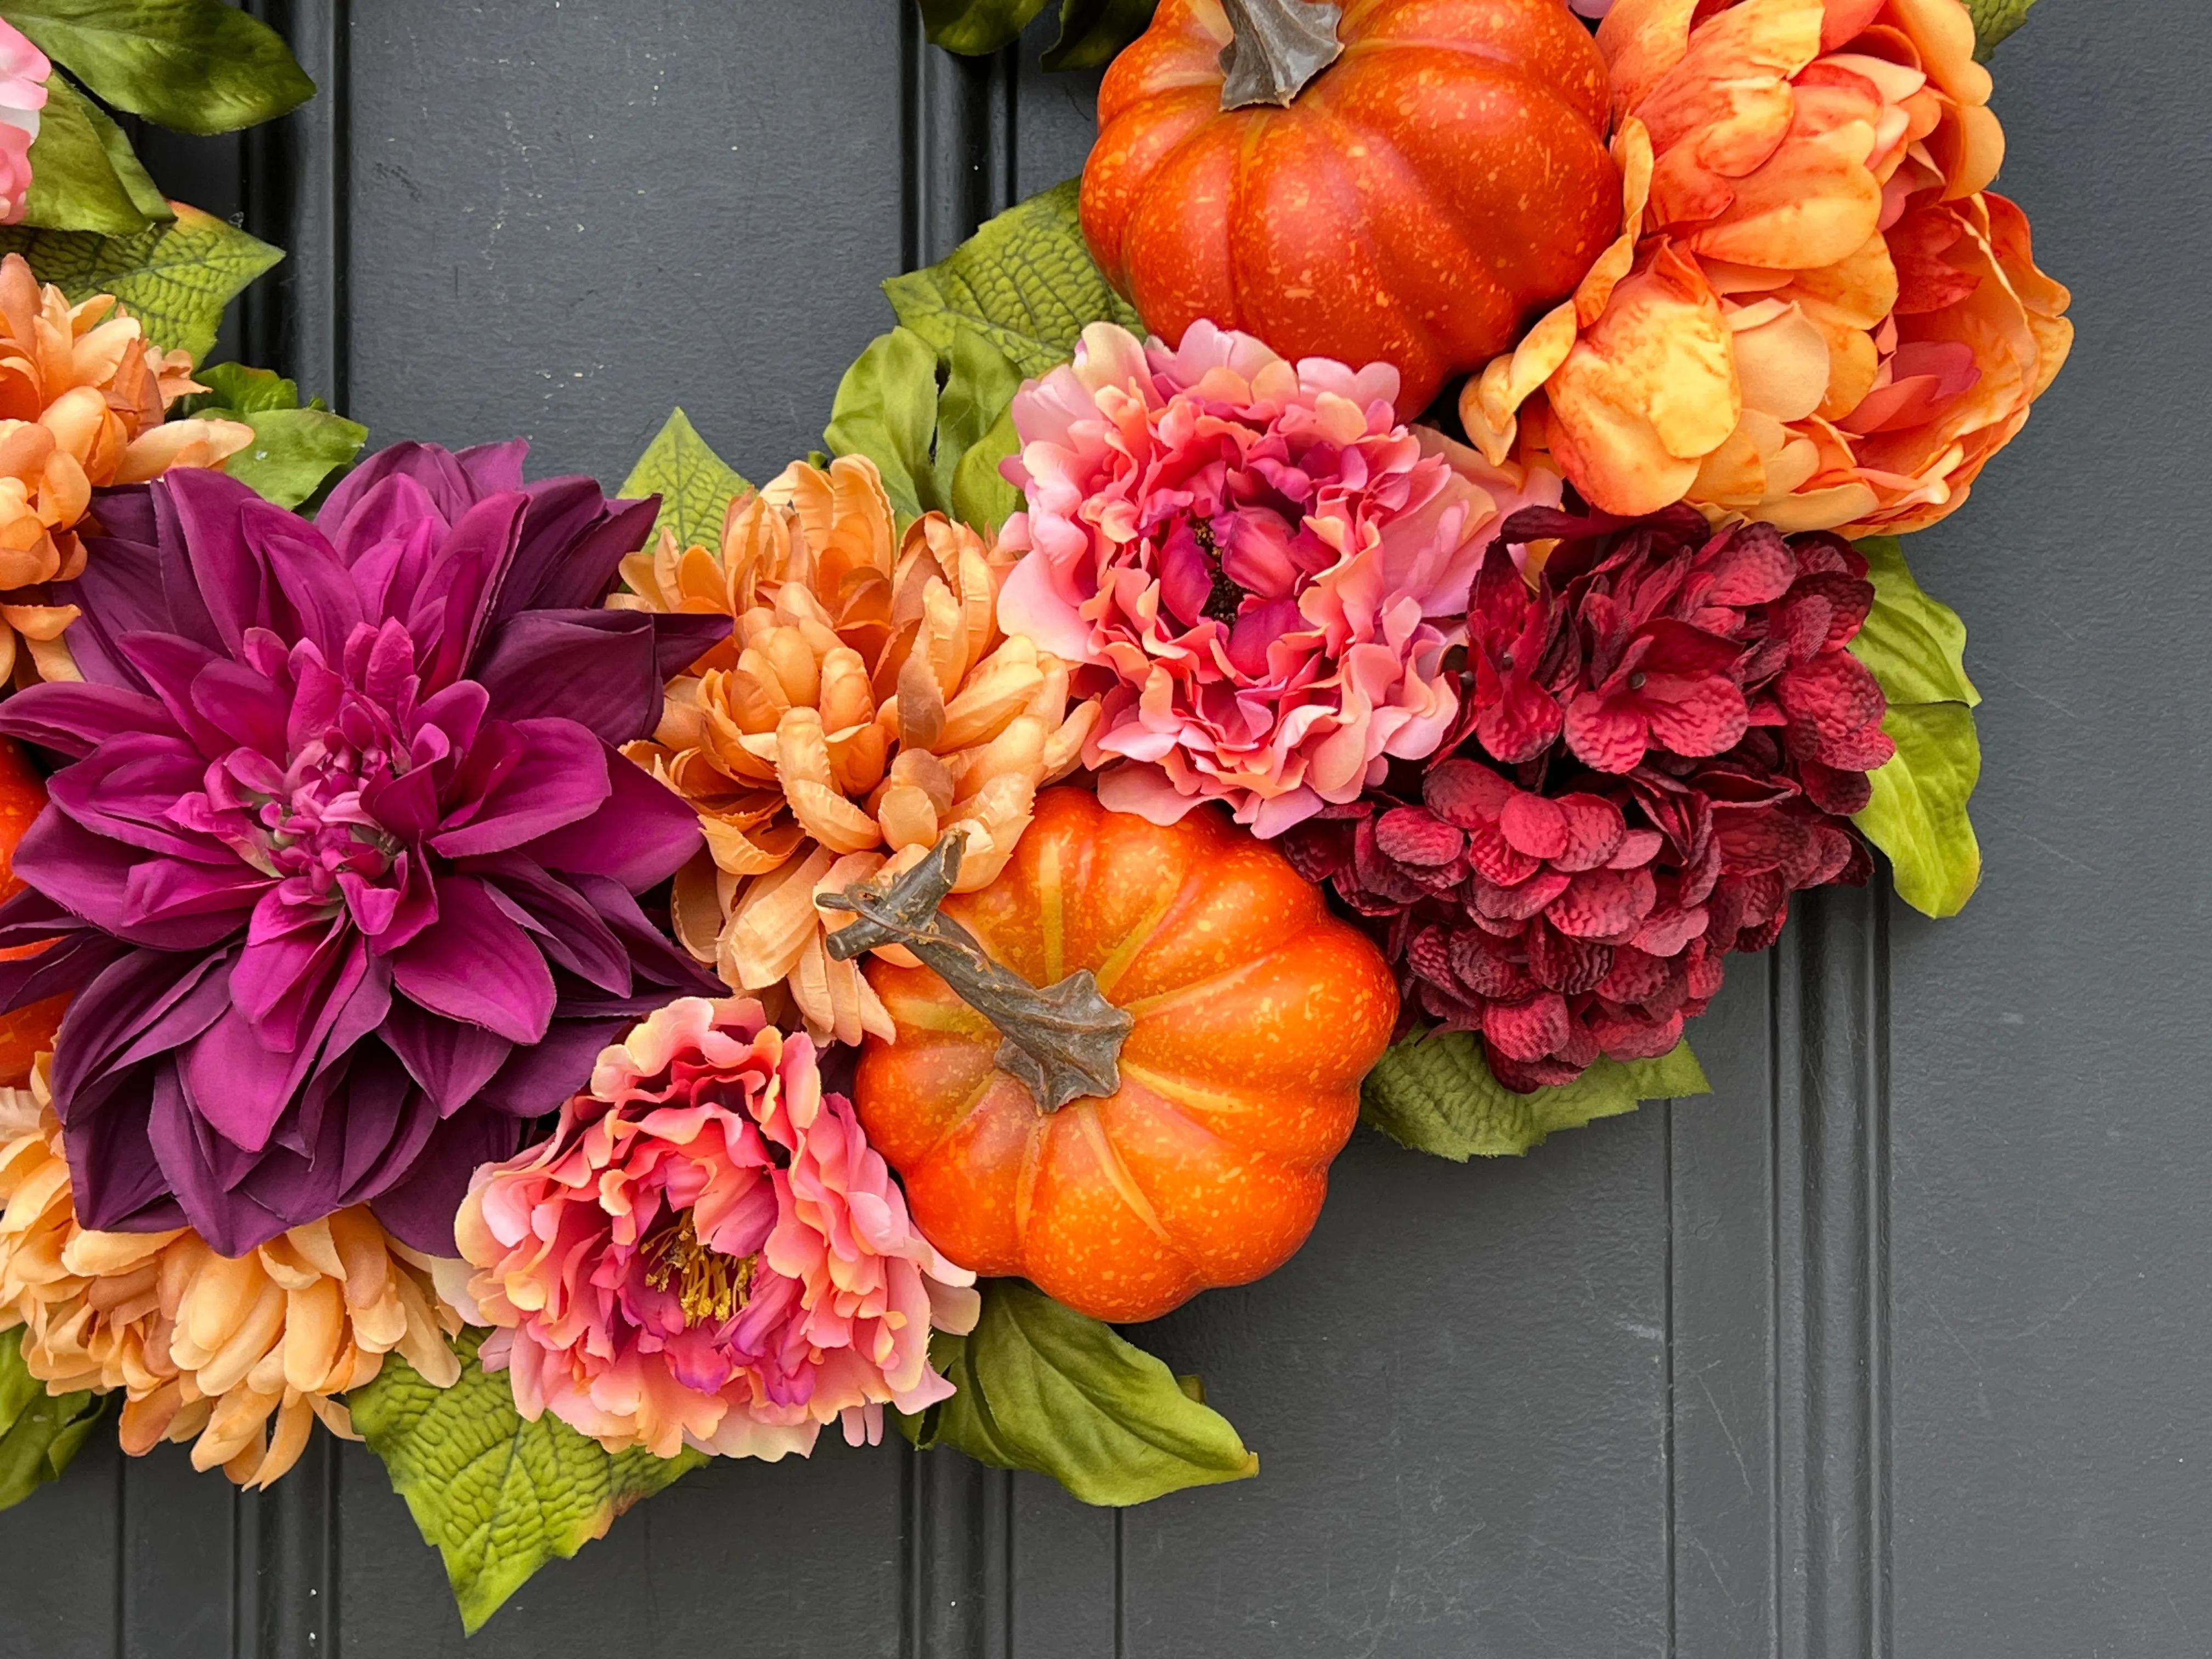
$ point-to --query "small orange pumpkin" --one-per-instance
(1421, 200)
(25, 1032)
(1254, 1014)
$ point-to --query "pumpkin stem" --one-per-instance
(1062, 1042)
(1275, 47)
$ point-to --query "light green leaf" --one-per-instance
(1918, 812)
(981, 498)
(1042, 1387)
(1092, 31)
(39, 1432)
(695, 485)
(1025, 281)
(1435, 1094)
(892, 408)
(83, 173)
(1915, 645)
(293, 451)
(196, 65)
(1994, 19)
(174, 278)
(976, 27)
(235, 390)
(498, 1496)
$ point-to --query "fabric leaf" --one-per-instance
(295, 449)
(175, 278)
(982, 498)
(39, 1432)
(498, 1496)
(84, 175)
(920, 415)
(1918, 812)
(196, 65)
(1994, 19)
(695, 485)
(237, 391)
(1042, 1387)
(1025, 282)
(1092, 31)
(1915, 645)
(1435, 1094)
(976, 28)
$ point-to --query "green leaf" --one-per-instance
(1918, 812)
(920, 416)
(695, 485)
(234, 391)
(84, 175)
(196, 65)
(498, 1496)
(1042, 1387)
(1025, 282)
(293, 451)
(976, 27)
(39, 1432)
(1092, 31)
(174, 278)
(1915, 645)
(1994, 19)
(1435, 1094)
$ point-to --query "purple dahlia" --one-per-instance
(342, 870)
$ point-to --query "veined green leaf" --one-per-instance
(1918, 812)
(1915, 645)
(1435, 1094)
(175, 278)
(84, 175)
(1025, 282)
(695, 485)
(196, 65)
(498, 1496)
(39, 1432)
(1994, 19)
(1042, 1387)
(937, 442)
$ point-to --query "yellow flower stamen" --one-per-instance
(708, 1285)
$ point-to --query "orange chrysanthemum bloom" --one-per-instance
(205, 1348)
(82, 396)
(1817, 314)
(865, 702)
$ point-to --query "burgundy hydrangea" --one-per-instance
(343, 870)
(1662, 740)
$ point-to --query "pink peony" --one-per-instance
(1260, 569)
(23, 72)
(708, 1250)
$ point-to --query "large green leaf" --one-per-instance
(1918, 812)
(1042, 1387)
(1025, 282)
(695, 485)
(1915, 645)
(296, 449)
(498, 1496)
(935, 425)
(39, 1432)
(1994, 19)
(1435, 1094)
(84, 175)
(174, 278)
(196, 65)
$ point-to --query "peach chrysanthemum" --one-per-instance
(83, 398)
(865, 702)
(204, 1348)
(1817, 314)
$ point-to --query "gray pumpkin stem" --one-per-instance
(1275, 48)
(1063, 1042)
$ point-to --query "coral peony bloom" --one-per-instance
(707, 1252)
(1819, 315)
(1262, 567)
(866, 704)
(81, 397)
(238, 1356)
(345, 865)
(23, 73)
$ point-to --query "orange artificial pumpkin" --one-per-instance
(24, 1033)
(1418, 201)
(1255, 1012)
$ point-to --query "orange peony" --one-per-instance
(82, 396)
(1817, 314)
(207, 1348)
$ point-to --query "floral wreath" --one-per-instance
(1354, 608)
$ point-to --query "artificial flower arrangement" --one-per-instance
(560, 987)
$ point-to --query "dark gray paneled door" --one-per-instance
(1898, 1345)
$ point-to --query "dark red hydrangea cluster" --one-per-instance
(1660, 742)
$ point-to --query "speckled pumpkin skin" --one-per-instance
(1421, 203)
(25, 1031)
(1257, 1013)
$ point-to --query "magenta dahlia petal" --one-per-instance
(476, 964)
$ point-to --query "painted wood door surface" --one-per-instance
(1900, 1344)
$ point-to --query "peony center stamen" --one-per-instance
(1226, 602)
(710, 1287)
